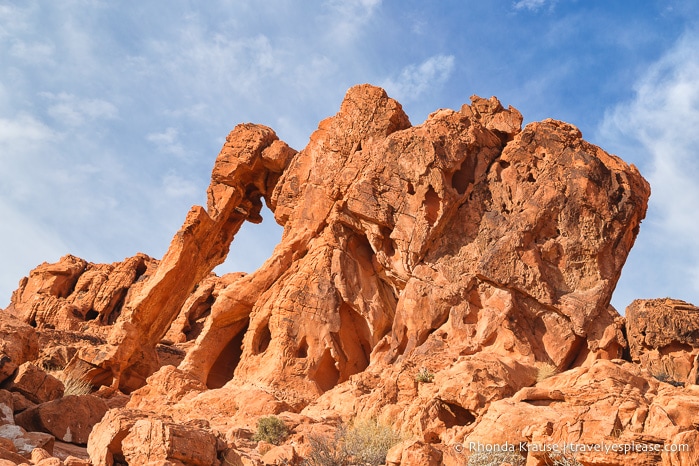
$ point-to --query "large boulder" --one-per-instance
(70, 418)
(18, 344)
(139, 437)
(664, 338)
(35, 384)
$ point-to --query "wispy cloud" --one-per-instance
(168, 142)
(533, 5)
(658, 126)
(414, 80)
(71, 110)
(348, 17)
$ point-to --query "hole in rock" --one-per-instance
(252, 245)
(464, 176)
(411, 188)
(432, 204)
(263, 337)
(302, 351)
(91, 315)
(224, 367)
(355, 340)
(452, 415)
(118, 299)
(326, 375)
(140, 270)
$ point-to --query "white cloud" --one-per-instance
(23, 139)
(661, 123)
(70, 110)
(24, 241)
(532, 5)
(348, 17)
(21, 130)
(168, 142)
(176, 186)
(414, 80)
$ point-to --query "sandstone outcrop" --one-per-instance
(664, 338)
(428, 276)
(18, 344)
(35, 384)
(69, 419)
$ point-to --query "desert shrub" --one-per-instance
(495, 458)
(73, 383)
(327, 451)
(364, 442)
(271, 429)
(544, 370)
(368, 441)
(424, 375)
(559, 459)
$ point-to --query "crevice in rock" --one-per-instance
(196, 323)
(411, 188)
(224, 367)
(262, 339)
(355, 340)
(464, 176)
(302, 350)
(113, 311)
(432, 205)
(326, 375)
(452, 415)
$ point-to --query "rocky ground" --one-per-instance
(440, 295)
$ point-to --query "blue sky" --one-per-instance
(112, 113)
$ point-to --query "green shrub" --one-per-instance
(271, 429)
(424, 375)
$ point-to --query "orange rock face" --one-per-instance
(427, 276)
(664, 338)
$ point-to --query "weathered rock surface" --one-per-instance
(609, 402)
(664, 338)
(35, 384)
(138, 437)
(425, 276)
(69, 419)
(18, 344)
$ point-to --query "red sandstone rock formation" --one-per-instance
(664, 338)
(425, 276)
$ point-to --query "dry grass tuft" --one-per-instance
(364, 442)
(73, 383)
(544, 370)
(495, 458)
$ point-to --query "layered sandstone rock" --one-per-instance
(35, 384)
(69, 419)
(664, 338)
(18, 344)
(425, 275)
(608, 403)
(450, 238)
